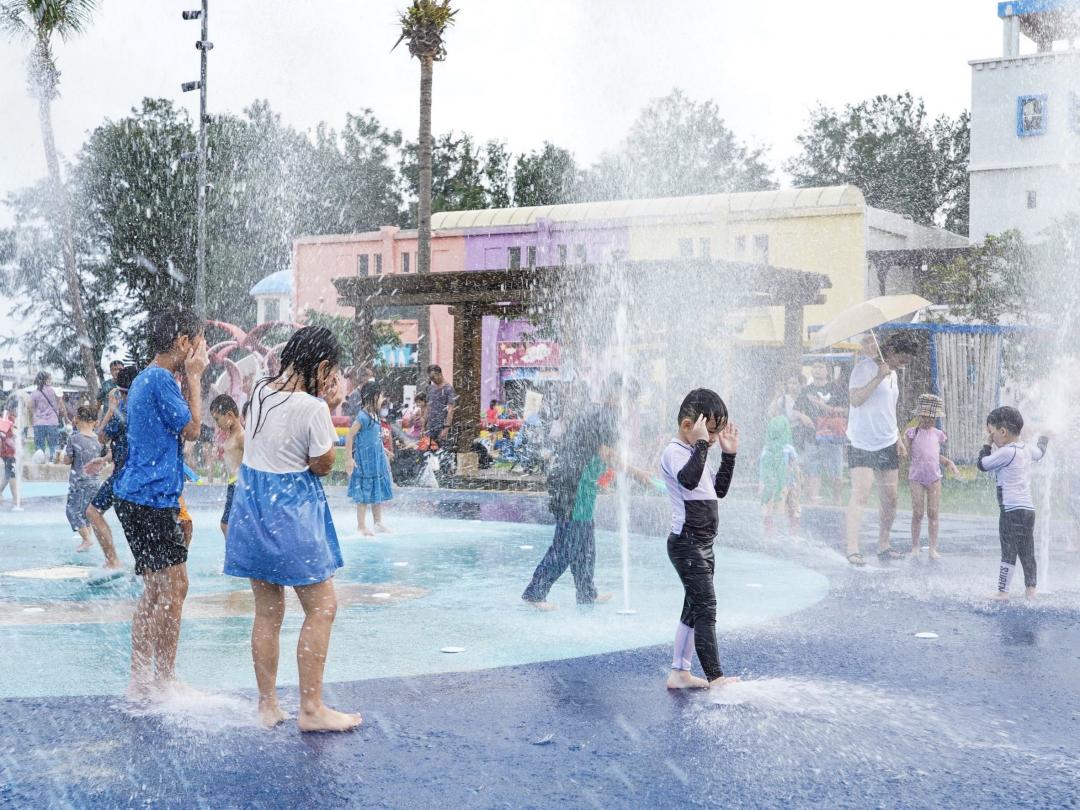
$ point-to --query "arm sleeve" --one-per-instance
(321, 433)
(990, 460)
(690, 475)
(173, 408)
(724, 474)
(1039, 450)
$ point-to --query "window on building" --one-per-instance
(580, 254)
(515, 258)
(761, 248)
(706, 247)
(530, 256)
(404, 262)
(562, 255)
(740, 244)
(1030, 115)
(272, 309)
(686, 248)
(1032, 199)
(378, 264)
(362, 262)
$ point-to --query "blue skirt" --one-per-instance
(370, 481)
(280, 529)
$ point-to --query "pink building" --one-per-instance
(317, 260)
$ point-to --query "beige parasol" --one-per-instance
(864, 316)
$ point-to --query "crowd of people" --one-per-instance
(282, 441)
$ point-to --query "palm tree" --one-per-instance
(423, 24)
(39, 21)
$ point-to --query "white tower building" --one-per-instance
(1025, 121)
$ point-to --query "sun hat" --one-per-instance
(930, 406)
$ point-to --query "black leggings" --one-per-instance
(1017, 531)
(693, 561)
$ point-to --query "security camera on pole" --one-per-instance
(203, 46)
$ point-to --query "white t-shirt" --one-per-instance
(292, 427)
(872, 425)
(1011, 465)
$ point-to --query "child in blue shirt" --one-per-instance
(147, 491)
(367, 465)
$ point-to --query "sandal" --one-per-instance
(856, 559)
(890, 553)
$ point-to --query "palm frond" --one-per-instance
(423, 24)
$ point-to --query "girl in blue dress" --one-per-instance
(280, 530)
(368, 466)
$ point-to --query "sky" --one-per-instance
(573, 72)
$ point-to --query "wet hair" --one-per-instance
(307, 349)
(1006, 417)
(493, 403)
(369, 395)
(164, 328)
(703, 402)
(901, 343)
(42, 379)
(420, 397)
(126, 377)
(433, 368)
(224, 404)
(85, 413)
(116, 363)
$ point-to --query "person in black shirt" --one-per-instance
(825, 402)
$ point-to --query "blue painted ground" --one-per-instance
(846, 709)
(842, 707)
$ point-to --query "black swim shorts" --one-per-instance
(229, 492)
(881, 460)
(153, 535)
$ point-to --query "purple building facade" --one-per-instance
(541, 244)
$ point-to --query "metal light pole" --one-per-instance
(203, 45)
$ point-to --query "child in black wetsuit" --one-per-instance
(693, 490)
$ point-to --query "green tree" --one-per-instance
(547, 177)
(140, 198)
(987, 284)
(465, 176)
(900, 159)
(33, 274)
(40, 21)
(678, 146)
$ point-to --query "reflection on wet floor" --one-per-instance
(196, 606)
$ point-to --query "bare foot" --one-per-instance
(381, 529)
(271, 714)
(1001, 596)
(113, 565)
(603, 597)
(326, 719)
(544, 606)
(138, 691)
(934, 555)
(681, 679)
(1029, 593)
(85, 545)
(726, 680)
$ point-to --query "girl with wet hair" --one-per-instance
(368, 466)
(280, 529)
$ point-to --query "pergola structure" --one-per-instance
(521, 292)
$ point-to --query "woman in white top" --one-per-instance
(280, 529)
(875, 450)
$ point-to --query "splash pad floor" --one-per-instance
(843, 707)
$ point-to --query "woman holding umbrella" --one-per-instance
(874, 454)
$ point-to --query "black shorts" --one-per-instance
(9, 468)
(228, 503)
(887, 458)
(153, 535)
